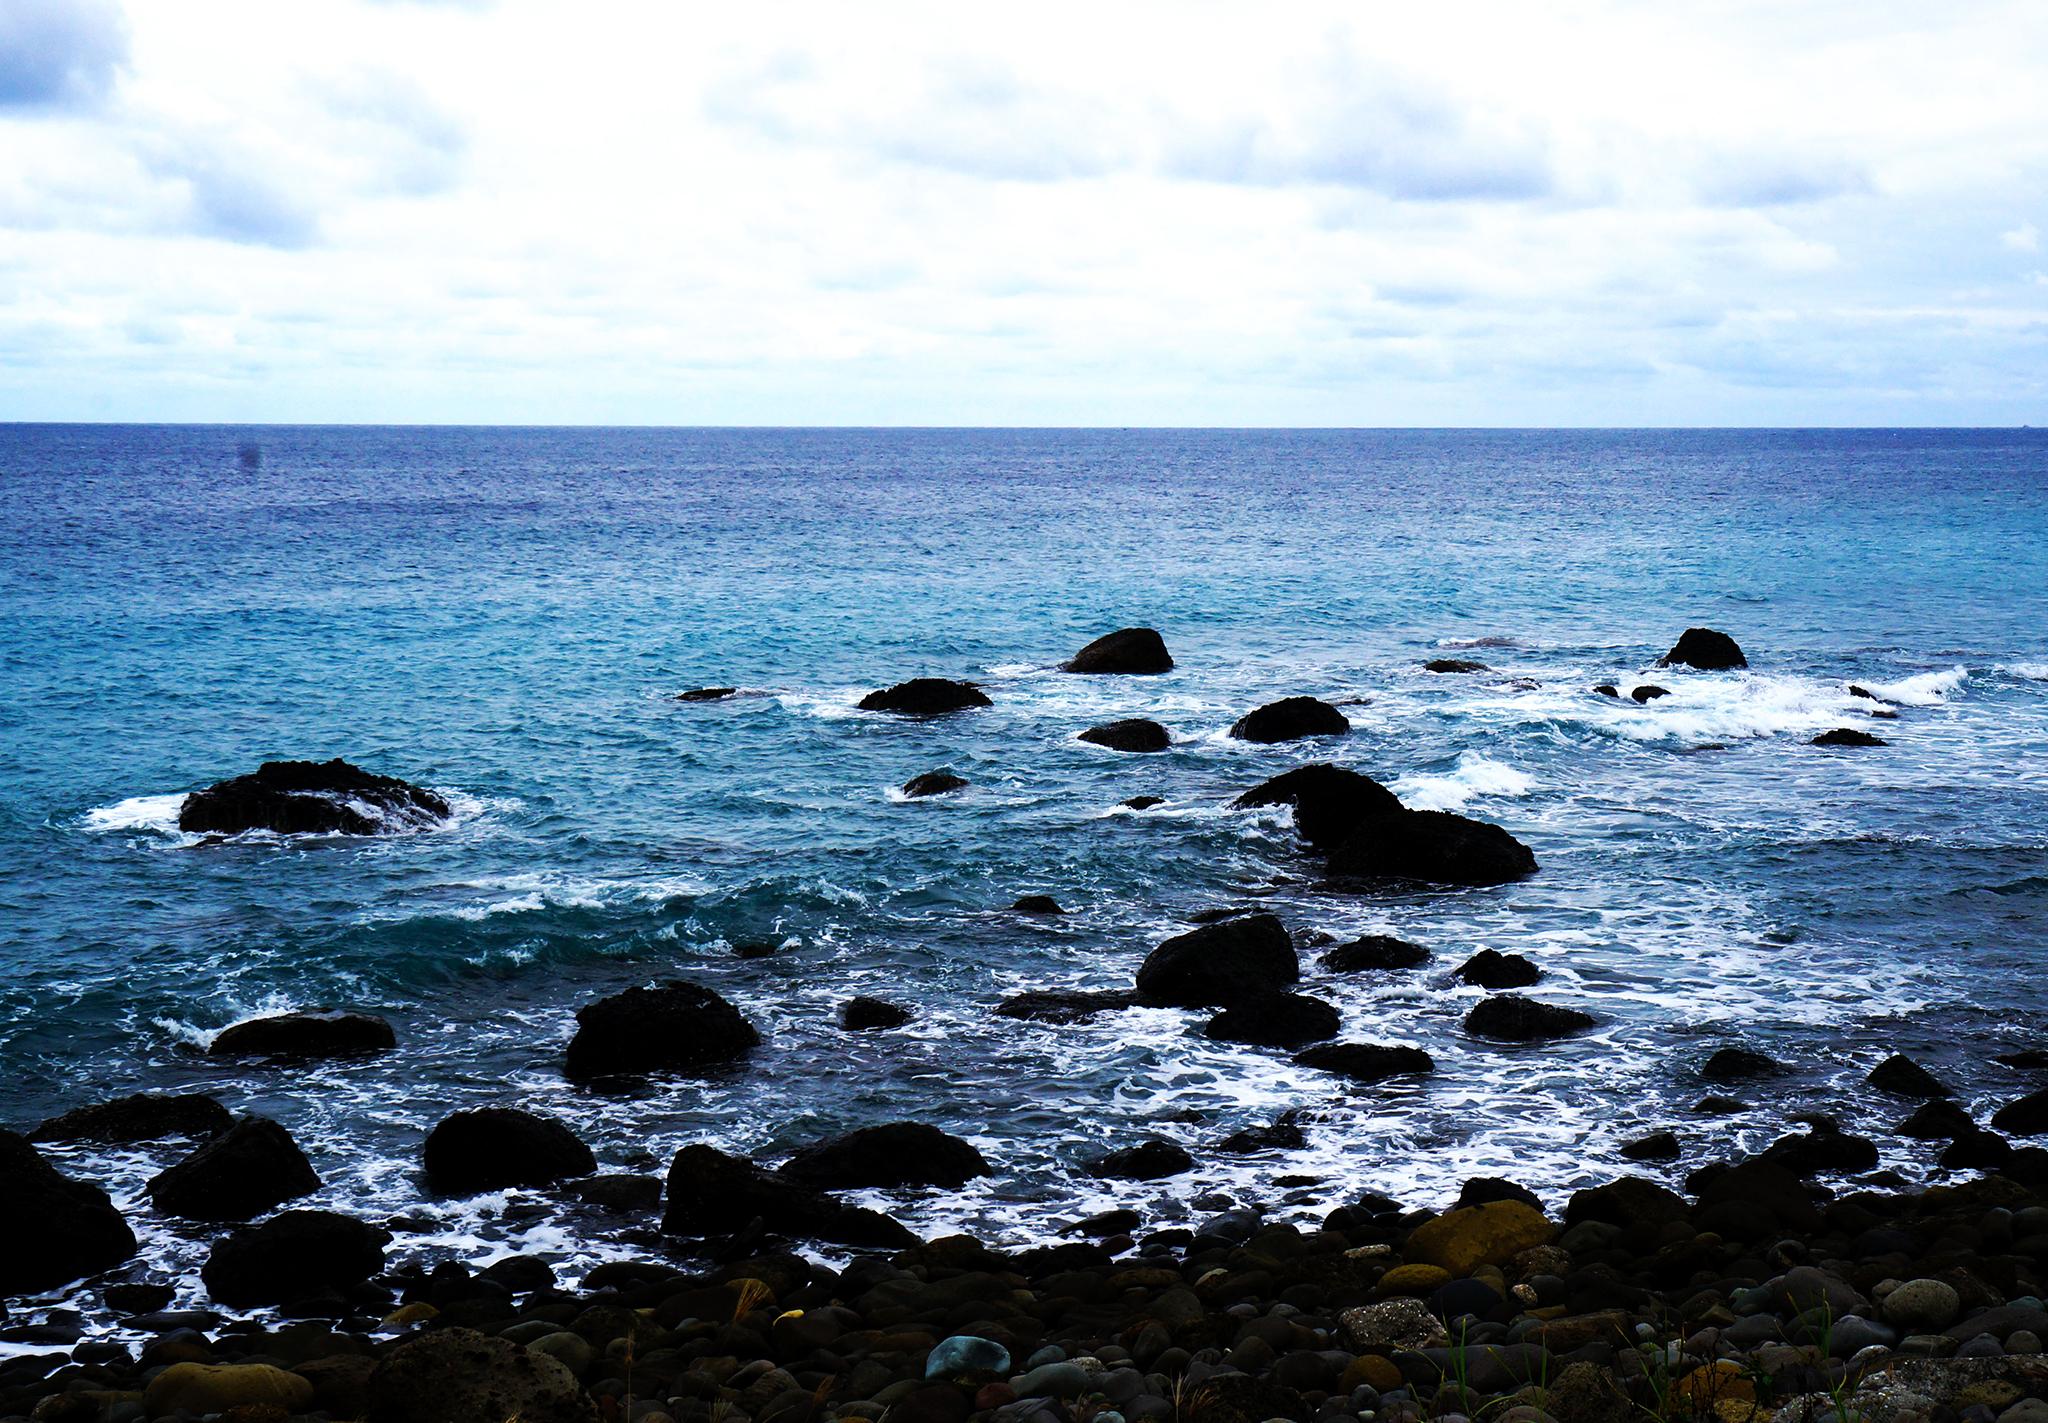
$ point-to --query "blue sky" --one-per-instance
(1485, 214)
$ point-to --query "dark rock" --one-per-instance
(1063, 1005)
(1864, 693)
(311, 798)
(1432, 845)
(1627, 1202)
(1374, 952)
(1284, 1134)
(1142, 802)
(294, 1036)
(58, 1229)
(291, 1256)
(1220, 963)
(1754, 1198)
(861, 1013)
(925, 696)
(710, 1193)
(1491, 969)
(1715, 1105)
(1705, 649)
(1454, 664)
(1657, 1146)
(1106, 1223)
(1735, 1064)
(1648, 693)
(1290, 719)
(1608, 689)
(1367, 1062)
(706, 694)
(895, 1154)
(1037, 904)
(132, 1299)
(1130, 651)
(491, 1148)
(617, 1192)
(671, 1027)
(1821, 1148)
(1274, 1020)
(1147, 1161)
(1512, 1018)
(461, 1376)
(1903, 1077)
(2026, 1117)
(1330, 802)
(1133, 734)
(933, 783)
(1976, 1150)
(1484, 1190)
(2026, 1058)
(244, 1171)
(146, 1116)
(1848, 736)
(1939, 1119)
(755, 949)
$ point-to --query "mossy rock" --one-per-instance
(1414, 1279)
(215, 1388)
(1460, 1241)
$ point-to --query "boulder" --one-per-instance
(1037, 904)
(1509, 1017)
(1131, 651)
(1392, 1326)
(1938, 1120)
(1367, 1062)
(1219, 964)
(1630, 1201)
(1290, 719)
(1454, 665)
(1705, 650)
(706, 694)
(861, 1014)
(1142, 802)
(1737, 1064)
(1903, 1077)
(59, 1229)
(933, 783)
(300, 1036)
(293, 1255)
(1648, 693)
(1330, 802)
(711, 1194)
(2028, 1116)
(1132, 734)
(965, 1356)
(894, 1154)
(1491, 969)
(1848, 736)
(1063, 1005)
(925, 696)
(491, 1148)
(1823, 1147)
(1283, 1134)
(1147, 1161)
(146, 1116)
(194, 1389)
(311, 798)
(243, 1172)
(1607, 689)
(1436, 846)
(1492, 1234)
(1274, 1020)
(1374, 952)
(670, 1027)
(1753, 1198)
(461, 1376)
(1657, 1146)
(1922, 1306)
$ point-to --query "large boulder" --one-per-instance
(1367, 1062)
(243, 1172)
(1630, 1201)
(491, 1148)
(145, 1116)
(1491, 969)
(1149, 1160)
(1431, 845)
(191, 1389)
(1132, 734)
(1274, 1020)
(1509, 1017)
(1491, 1234)
(311, 798)
(933, 783)
(1740, 1064)
(1903, 1077)
(670, 1027)
(1330, 802)
(860, 1014)
(1848, 736)
(894, 1154)
(1132, 651)
(1220, 964)
(1374, 953)
(1290, 719)
(925, 696)
(461, 1376)
(297, 1036)
(710, 1193)
(293, 1255)
(2028, 1116)
(1705, 649)
(58, 1229)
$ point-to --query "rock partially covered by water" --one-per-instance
(1330, 802)
(1132, 651)
(1454, 665)
(1491, 969)
(1291, 719)
(2028, 1116)
(925, 696)
(1903, 1077)
(461, 1376)
(1037, 904)
(1064, 1005)
(1132, 734)
(1220, 964)
(1740, 1064)
(711, 1194)
(1512, 1018)
(146, 1116)
(1274, 1020)
(1848, 736)
(706, 694)
(1436, 846)
(1368, 1062)
(893, 1154)
(241, 1173)
(311, 798)
(55, 1229)
(305, 1035)
(933, 783)
(1374, 952)
(1147, 1161)
(1704, 649)
(291, 1256)
(1649, 692)
(861, 1014)
(490, 1148)
(670, 1027)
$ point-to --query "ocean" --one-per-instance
(507, 615)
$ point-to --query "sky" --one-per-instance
(508, 211)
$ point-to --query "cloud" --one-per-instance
(2024, 238)
(56, 53)
(1754, 180)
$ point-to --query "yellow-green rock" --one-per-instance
(1371, 1369)
(1493, 1234)
(1414, 1279)
(418, 1312)
(215, 1388)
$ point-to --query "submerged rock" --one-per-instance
(146, 1116)
(311, 798)
(1903, 1077)
(1275, 1020)
(1657, 1146)
(1491, 969)
(1219, 964)
(1129, 651)
(292, 1256)
(1455, 665)
(1704, 649)
(491, 1148)
(933, 783)
(1285, 1134)
(58, 1229)
(1290, 719)
(1132, 734)
(861, 1014)
(1143, 802)
(305, 1035)
(1368, 1062)
(1374, 952)
(1512, 1018)
(1147, 1161)
(1739, 1064)
(706, 694)
(710, 1193)
(243, 1172)
(461, 1376)
(1063, 1005)
(1608, 689)
(894, 1154)
(1330, 802)
(1037, 904)
(1649, 693)
(1940, 1120)
(1848, 736)
(925, 696)
(1436, 846)
(671, 1027)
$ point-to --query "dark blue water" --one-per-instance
(505, 615)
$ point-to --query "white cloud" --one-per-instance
(2024, 238)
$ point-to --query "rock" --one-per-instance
(2026, 1117)
(1037, 904)
(925, 696)
(1715, 1105)
(59, 1229)
(1392, 1326)
(1133, 734)
(671, 1027)
(1627, 1202)
(966, 1356)
(1330, 802)
(1903, 1077)
(1648, 693)
(755, 949)
(292, 1255)
(1754, 1197)
(1922, 1306)
(894, 1154)
(1275, 1020)
(1735, 1064)
(244, 1171)
(1848, 736)
(1491, 969)
(1821, 1148)
(146, 1116)
(300, 1036)
(1374, 952)
(1219, 964)
(1460, 1241)
(1434, 846)
(1510, 1017)
(1128, 651)
(617, 1192)
(861, 1014)
(2028, 1058)
(933, 783)
(1608, 689)
(340, 1383)
(1282, 1135)
(706, 694)
(1142, 802)
(1367, 1062)
(1454, 665)
(1290, 719)
(1147, 1161)
(1657, 1146)
(1940, 1120)
(491, 1148)
(1704, 649)
(461, 1376)
(311, 798)
(215, 1388)
(1058, 1005)
(710, 1193)
(1483, 1190)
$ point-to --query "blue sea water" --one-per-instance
(506, 615)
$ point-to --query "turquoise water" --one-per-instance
(506, 615)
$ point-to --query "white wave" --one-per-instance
(155, 813)
(2025, 671)
(1924, 690)
(1474, 775)
(1731, 709)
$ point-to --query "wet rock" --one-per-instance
(57, 1229)
(706, 694)
(1220, 964)
(491, 1148)
(1059, 1005)
(1922, 1306)
(1848, 736)
(933, 783)
(1460, 1241)
(1821, 1148)
(196, 1389)
(1392, 1326)
(861, 1014)
(146, 1116)
(1374, 952)
(1629, 1201)
(1290, 719)
(1037, 904)
(293, 1255)
(925, 696)
(894, 1154)
(1903, 1077)
(1648, 693)
(617, 1192)
(1510, 1017)
(311, 798)
(1735, 1064)
(1490, 969)
(1608, 689)
(1127, 651)
(1367, 1062)
(1657, 1146)
(1435, 846)
(244, 1171)
(304, 1036)
(1939, 1119)
(671, 1027)
(2026, 1117)
(1754, 1197)
(966, 1356)
(1147, 1161)
(1274, 1020)
(1132, 734)
(2027, 1058)
(461, 1376)
(1284, 1134)
(710, 1194)
(1704, 649)
(1330, 802)
(1453, 665)
(1142, 802)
